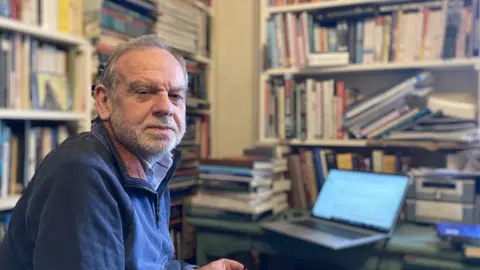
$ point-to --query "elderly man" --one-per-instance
(100, 200)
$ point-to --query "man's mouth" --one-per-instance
(162, 129)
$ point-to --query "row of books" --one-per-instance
(22, 149)
(38, 75)
(306, 109)
(374, 33)
(184, 26)
(197, 82)
(309, 167)
(247, 187)
(54, 15)
(328, 109)
(277, 3)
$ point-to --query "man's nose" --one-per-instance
(162, 104)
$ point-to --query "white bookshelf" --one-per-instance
(321, 5)
(467, 65)
(202, 59)
(7, 203)
(449, 64)
(41, 115)
(66, 40)
(40, 33)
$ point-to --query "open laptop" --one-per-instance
(352, 209)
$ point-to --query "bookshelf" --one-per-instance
(464, 68)
(76, 114)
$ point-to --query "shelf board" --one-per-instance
(202, 59)
(430, 65)
(198, 111)
(40, 33)
(347, 143)
(41, 115)
(204, 7)
(9, 202)
(428, 145)
(323, 5)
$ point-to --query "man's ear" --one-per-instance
(103, 102)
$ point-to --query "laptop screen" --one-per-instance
(361, 198)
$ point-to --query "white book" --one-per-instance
(378, 33)
(327, 109)
(369, 41)
(418, 35)
(377, 158)
(328, 59)
(310, 88)
(282, 60)
(459, 105)
(318, 110)
(306, 37)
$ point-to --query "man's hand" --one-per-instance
(223, 264)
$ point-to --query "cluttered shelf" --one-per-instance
(427, 65)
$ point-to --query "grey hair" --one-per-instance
(108, 77)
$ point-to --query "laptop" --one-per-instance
(352, 209)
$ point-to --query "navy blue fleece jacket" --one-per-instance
(89, 206)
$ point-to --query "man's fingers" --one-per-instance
(232, 265)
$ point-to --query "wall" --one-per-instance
(235, 49)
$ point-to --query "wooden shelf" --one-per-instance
(428, 145)
(323, 5)
(40, 33)
(430, 65)
(40, 115)
(198, 111)
(202, 59)
(9, 202)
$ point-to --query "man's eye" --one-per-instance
(143, 92)
(176, 97)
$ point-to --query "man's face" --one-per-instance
(148, 109)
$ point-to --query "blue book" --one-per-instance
(225, 170)
(272, 45)
(317, 163)
(359, 42)
(400, 124)
(459, 230)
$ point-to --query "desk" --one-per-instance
(411, 247)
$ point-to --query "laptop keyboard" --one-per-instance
(323, 227)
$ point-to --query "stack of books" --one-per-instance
(184, 26)
(109, 23)
(247, 187)
(452, 119)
